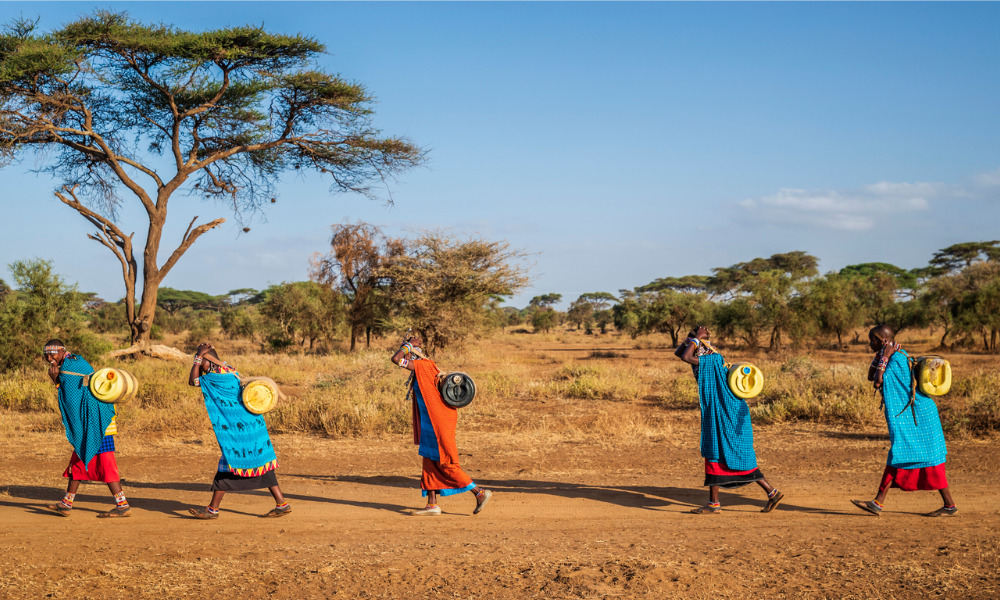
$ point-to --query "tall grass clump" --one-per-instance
(598, 383)
(973, 404)
(357, 395)
(798, 389)
(27, 391)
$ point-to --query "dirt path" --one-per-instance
(569, 520)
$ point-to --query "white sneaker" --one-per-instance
(427, 512)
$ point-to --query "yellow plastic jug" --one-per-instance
(113, 385)
(259, 394)
(933, 375)
(745, 380)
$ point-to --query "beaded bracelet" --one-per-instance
(197, 360)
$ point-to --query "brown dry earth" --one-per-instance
(568, 520)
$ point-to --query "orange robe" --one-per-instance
(434, 424)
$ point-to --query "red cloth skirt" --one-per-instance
(447, 478)
(102, 467)
(714, 468)
(911, 480)
(717, 474)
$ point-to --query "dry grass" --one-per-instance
(596, 387)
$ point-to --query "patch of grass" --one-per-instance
(598, 383)
(608, 354)
(799, 390)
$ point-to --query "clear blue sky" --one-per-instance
(615, 142)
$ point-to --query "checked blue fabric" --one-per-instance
(85, 417)
(912, 445)
(242, 435)
(726, 432)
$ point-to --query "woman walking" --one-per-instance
(726, 432)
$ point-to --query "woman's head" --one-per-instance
(879, 336)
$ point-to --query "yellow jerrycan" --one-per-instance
(745, 380)
(259, 394)
(112, 385)
(933, 375)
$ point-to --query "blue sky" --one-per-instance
(614, 142)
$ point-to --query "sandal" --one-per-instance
(773, 501)
(944, 511)
(867, 506)
(60, 509)
(279, 512)
(706, 510)
(202, 513)
(118, 511)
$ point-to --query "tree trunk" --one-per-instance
(354, 336)
(368, 338)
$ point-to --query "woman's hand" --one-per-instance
(54, 370)
(202, 350)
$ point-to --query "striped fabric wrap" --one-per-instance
(242, 436)
(916, 439)
(726, 432)
(85, 418)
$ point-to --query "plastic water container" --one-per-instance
(745, 380)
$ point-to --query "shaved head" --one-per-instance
(882, 332)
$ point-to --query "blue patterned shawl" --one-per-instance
(913, 445)
(242, 435)
(726, 433)
(85, 417)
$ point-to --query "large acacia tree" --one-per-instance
(121, 112)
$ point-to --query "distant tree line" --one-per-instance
(770, 302)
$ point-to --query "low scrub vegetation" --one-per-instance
(522, 387)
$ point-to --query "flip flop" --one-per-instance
(59, 509)
(279, 512)
(116, 512)
(706, 510)
(201, 512)
(944, 511)
(867, 506)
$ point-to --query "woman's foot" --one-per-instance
(868, 506)
(60, 509)
(202, 512)
(944, 511)
(708, 509)
(116, 512)
(279, 511)
(773, 499)
(428, 511)
(481, 501)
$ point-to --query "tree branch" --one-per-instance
(189, 238)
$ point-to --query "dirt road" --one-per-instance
(569, 520)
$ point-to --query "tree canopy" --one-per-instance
(122, 111)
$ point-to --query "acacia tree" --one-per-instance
(762, 291)
(446, 288)
(354, 266)
(121, 111)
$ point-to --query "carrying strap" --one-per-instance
(86, 377)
